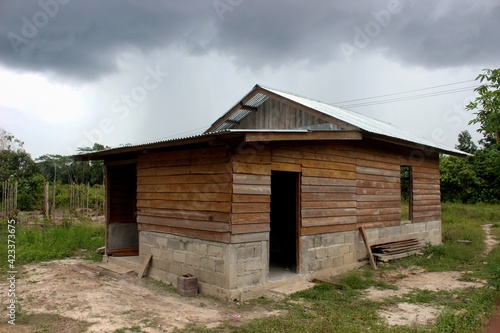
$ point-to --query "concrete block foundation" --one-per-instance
(241, 271)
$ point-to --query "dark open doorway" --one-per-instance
(122, 236)
(283, 236)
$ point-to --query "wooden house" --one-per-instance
(276, 188)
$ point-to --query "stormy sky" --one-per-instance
(76, 72)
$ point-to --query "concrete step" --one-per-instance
(132, 263)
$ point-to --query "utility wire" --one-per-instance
(407, 98)
(403, 92)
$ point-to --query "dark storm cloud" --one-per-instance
(83, 39)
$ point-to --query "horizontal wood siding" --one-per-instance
(426, 191)
(251, 191)
(186, 193)
(327, 185)
(377, 187)
(273, 114)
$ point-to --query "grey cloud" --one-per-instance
(86, 37)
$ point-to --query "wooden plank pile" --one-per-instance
(396, 250)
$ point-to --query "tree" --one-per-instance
(465, 143)
(487, 104)
(14, 160)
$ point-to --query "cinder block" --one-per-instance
(338, 261)
(339, 238)
(175, 268)
(144, 249)
(349, 237)
(215, 250)
(180, 256)
(192, 260)
(174, 244)
(327, 240)
(245, 252)
(334, 251)
(161, 241)
(345, 249)
(349, 258)
(156, 252)
(321, 253)
(219, 265)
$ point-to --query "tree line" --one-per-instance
(30, 176)
(476, 178)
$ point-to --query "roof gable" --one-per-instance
(240, 116)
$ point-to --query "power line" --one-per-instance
(403, 92)
(407, 98)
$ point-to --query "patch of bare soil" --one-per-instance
(490, 242)
(81, 293)
(416, 278)
(409, 314)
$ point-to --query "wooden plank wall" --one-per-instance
(251, 191)
(348, 185)
(377, 187)
(426, 189)
(186, 193)
(273, 114)
(328, 198)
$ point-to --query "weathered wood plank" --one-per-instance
(184, 170)
(377, 191)
(185, 188)
(253, 207)
(251, 198)
(327, 181)
(223, 237)
(327, 229)
(378, 211)
(360, 183)
(311, 172)
(251, 189)
(369, 197)
(285, 167)
(250, 228)
(256, 169)
(184, 179)
(224, 207)
(326, 188)
(328, 196)
(185, 214)
(185, 196)
(328, 212)
(379, 218)
(330, 220)
(377, 171)
(239, 178)
(328, 165)
(184, 223)
(328, 204)
(244, 218)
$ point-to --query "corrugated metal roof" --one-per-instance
(363, 122)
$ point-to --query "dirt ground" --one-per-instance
(74, 295)
(78, 296)
(415, 278)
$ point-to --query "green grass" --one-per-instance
(35, 244)
(337, 307)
